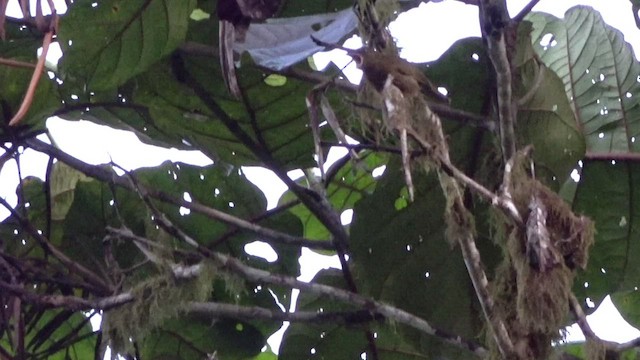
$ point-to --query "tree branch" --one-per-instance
(612, 156)
(450, 179)
(215, 309)
(100, 285)
(576, 308)
(17, 63)
(494, 19)
(374, 310)
(525, 11)
(110, 177)
(260, 276)
(194, 48)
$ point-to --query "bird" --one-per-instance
(407, 77)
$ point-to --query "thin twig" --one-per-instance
(73, 266)
(458, 217)
(215, 309)
(533, 90)
(525, 10)
(504, 204)
(110, 177)
(612, 156)
(33, 84)
(194, 48)
(17, 63)
(461, 116)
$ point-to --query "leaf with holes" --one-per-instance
(607, 193)
(546, 120)
(600, 75)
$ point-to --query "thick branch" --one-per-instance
(494, 19)
(215, 309)
(459, 219)
(261, 276)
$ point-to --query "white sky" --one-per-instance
(423, 34)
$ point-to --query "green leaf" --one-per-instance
(56, 334)
(546, 121)
(193, 338)
(325, 340)
(199, 15)
(402, 258)
(346, 188)
(13, 87)
(599, 72)
(63, 184)
(628, 304)
(606, 193)
(124, 38)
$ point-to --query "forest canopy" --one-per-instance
(476, 241)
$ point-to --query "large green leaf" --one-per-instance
(192, 338)
(628, 303)
(599, 72)
(107, 42)
(546, 120)
(403, 258)
(56, 334)
(606, 193)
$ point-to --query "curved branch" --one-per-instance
(33, 84)
(590, 334)
(110, 177)
(73, 266)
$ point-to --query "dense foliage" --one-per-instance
(160, 252)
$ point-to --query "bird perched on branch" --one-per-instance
(377, 67)
(411, 81)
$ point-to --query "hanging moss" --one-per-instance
(157, 299)
(534, 300)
